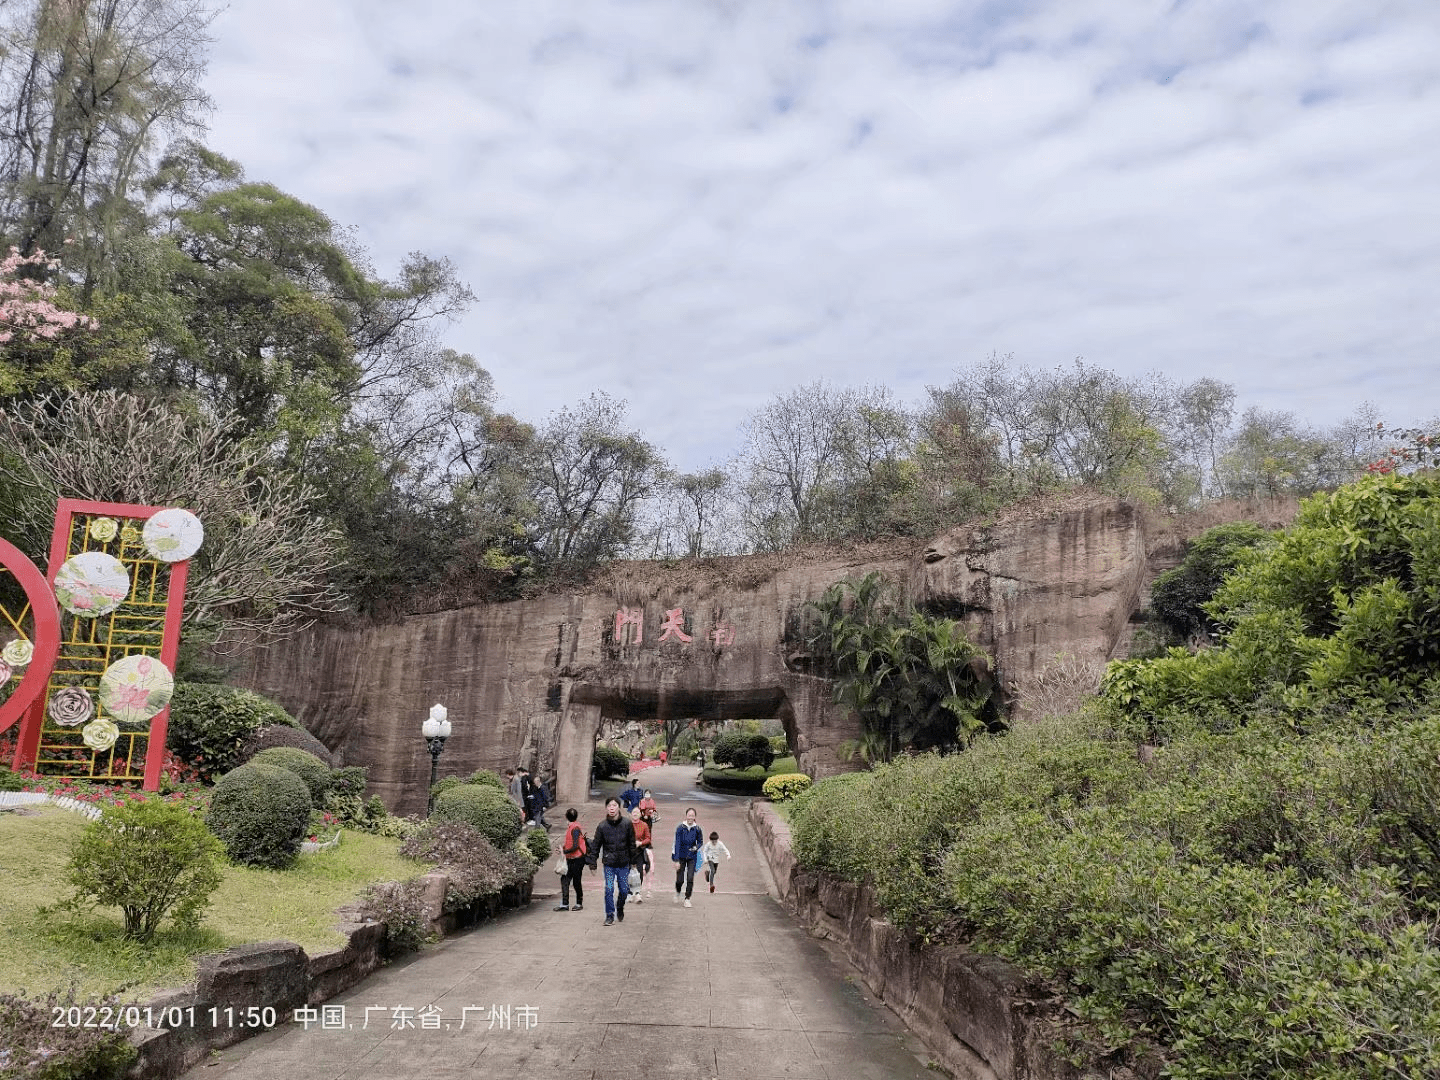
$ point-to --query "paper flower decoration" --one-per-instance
(100, 734)
(130, 534)
(70, 706)
(104, 529)
(17, 653)
(5, 673)
(92, 584)
(136, 688)
(173, 535)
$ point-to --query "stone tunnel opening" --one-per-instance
(590, 706)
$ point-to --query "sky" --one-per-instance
(695, 205)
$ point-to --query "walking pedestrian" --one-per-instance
(541, 801)
(527, 795)
(573, 847)
(630, 797)
(615, 836)
(512, 785)
(644, 861)
(648, 810)
(689, 839)
(710, 855)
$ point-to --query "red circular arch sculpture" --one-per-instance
(46, 612)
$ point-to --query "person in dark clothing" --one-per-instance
(631, 796)
(615, 836)
(540, 801)
(689, 839)
(527, 795)
(573, 847)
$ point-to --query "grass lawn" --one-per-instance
(42, 948)
(755, 772)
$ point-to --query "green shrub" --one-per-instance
(537, 842)
(485, 808)
(314, 772)
(474, 866)
(1179, 596)
(447, 783)
(610, 762)
(32, 1047)
(209, 723)
(282, 735)
(779, 745)
(785, 786)
(827, 823)
(10, 781)
(350, 780)
(400, 907)
(741, 751)
(485, 776)
(261, 813)
(148, 859)
(397, 828)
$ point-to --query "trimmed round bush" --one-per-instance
(447, 783)
(210, 723)
(537, 842)
(785, 786)
(306, 766)
(485, 776)
(611, 762)
(484, 807)
(283, 735)
(261, 814)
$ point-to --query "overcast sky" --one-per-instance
(696, 204)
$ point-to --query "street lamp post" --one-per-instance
(436, 730)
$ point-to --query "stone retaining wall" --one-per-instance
(979, 1016)
(241, 983)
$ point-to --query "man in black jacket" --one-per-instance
(616, 836)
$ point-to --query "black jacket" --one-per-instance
(618, 840)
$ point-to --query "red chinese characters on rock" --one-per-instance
(674, 626)
(632, 617)
(630, 628)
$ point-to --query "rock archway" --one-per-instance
(590, 706)
(529, 681)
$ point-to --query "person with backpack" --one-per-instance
(689, 839)
(573, 847)
(614, 836)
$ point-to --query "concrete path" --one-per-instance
(729, 988)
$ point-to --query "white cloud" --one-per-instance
(698, 205)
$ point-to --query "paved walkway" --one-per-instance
(730, 989)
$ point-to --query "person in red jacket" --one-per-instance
(644, 860)
(573, 847)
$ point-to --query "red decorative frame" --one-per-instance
(46, 640)
(28, 748)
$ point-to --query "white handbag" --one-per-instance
(560, 866)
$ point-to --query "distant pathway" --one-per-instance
(730, 989)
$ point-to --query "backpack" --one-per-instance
(575, 838)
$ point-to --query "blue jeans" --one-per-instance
(616, 875)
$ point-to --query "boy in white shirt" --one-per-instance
(711, 853)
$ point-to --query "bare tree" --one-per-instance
(590, 477)
(266, 559)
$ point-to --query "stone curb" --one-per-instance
(250, 989)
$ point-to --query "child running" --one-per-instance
(711, 854)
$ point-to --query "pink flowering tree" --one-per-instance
(27, 306)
